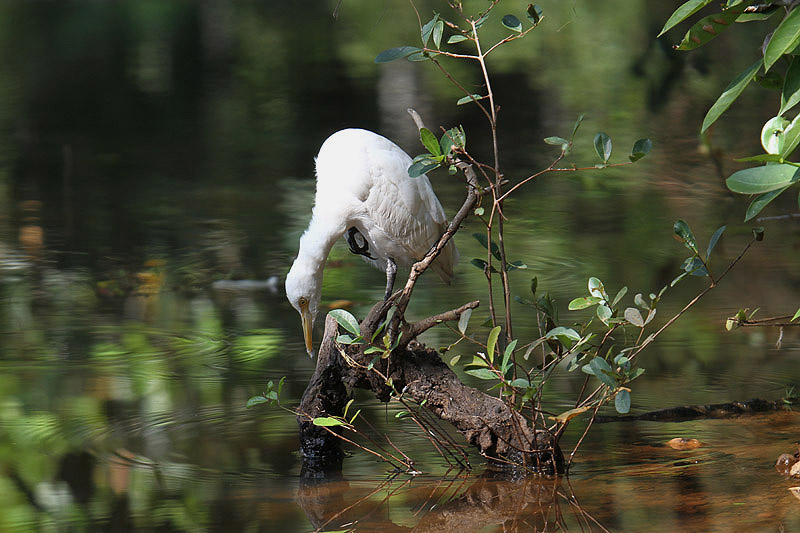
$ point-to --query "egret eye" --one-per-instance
(302, 301)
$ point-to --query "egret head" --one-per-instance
(303, 292)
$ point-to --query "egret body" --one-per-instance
(363, 189)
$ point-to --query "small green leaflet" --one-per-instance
(346, 320)
(714, 239)
(396, 53)
(512, 23)
(790, 93)
(731, 93)
(783, 38)
(640, 149)
(760, 202)
(602, 145)
(491, 342)
(683, 12)
(622, 401)
(708, 28)
(326, 421)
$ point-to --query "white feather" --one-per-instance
(363, 182)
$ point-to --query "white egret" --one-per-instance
(363, 188)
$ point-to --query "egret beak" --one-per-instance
(305, 316)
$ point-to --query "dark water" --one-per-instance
(156, 171)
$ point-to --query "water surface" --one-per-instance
(156, 171)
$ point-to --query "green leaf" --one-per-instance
(484, 240)
(470, 98)
(583, 302)
(602, 370)
(763, 179)
(396, 53)
(429, 141)
(783, 38)
(714, 239)
(516, 265)
(597, 289)
(694, 266)
(761, 201)
(452, 138)
(427, 29)
(622, 401)
(731, 93)
(507, 355)
(620, 295)
(491, 341)
(421, 167)
(684, 233)
(534, 13)
(796, 315)
(604, 313)
(640, 149)
(761, 158)
(373, 349)
(479, 263)
(327, 421)
(764, 15)
(256, 400)
(567, 336)
(602, 145)
(481, 373)
(512, 23)
(521, 383)
(640, 301)
(438, 29)
(791, 138)
(772, 135)
(456, 39)
(686, 10)
(463, 320)
(349, 339)
(790, 93)
(346, 320)
(479, 211)
(557, 141)
(633, 316)
(575, 127)
(708, 28)
(477, 361)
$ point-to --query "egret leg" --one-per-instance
(391, 271)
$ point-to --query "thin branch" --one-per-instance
(411, 331)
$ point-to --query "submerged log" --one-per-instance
(486, 422)
(694, 412)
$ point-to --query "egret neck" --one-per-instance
(304, 280)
